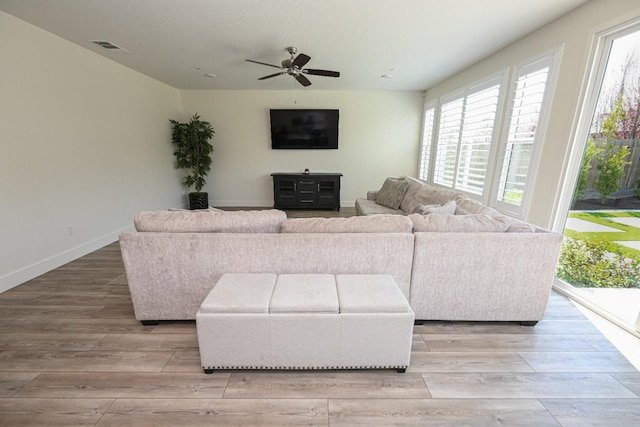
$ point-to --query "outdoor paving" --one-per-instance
(632, 221)
(583, 226)
(621, 303)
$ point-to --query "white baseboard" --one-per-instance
(29, 272)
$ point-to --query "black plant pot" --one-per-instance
(198, 200)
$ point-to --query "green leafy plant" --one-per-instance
(590, 153)
(612, 159)
(193, 150)
(591, 264)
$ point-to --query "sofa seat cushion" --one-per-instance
(392, 193)
(478, 223)
(370, 207)
(207, 221)
(355, 224)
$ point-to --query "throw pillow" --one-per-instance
(447, 208)
(392, 192)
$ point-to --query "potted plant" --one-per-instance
(193, 151)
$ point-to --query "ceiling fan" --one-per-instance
(293, 67)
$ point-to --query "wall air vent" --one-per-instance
(108, 45)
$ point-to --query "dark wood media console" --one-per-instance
(306, 191)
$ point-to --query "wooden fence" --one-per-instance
(632, 171)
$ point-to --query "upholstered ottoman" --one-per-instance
(305, 321)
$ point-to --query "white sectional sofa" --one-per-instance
(470, 261)
(447, 269)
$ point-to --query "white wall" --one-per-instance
(379, 137)
(576, 32)
(84, 142)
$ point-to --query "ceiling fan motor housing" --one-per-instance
(293, 66)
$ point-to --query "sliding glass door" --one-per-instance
(600, 260)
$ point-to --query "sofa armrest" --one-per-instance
(371, 195)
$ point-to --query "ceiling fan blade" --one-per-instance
(273, 75)
(263, 63)
(302, 80)
(301, 60)
(326, 73)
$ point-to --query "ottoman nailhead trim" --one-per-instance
(301, 368)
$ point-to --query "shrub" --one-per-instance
(612, 159)
(611, 167)
(590, 264)
(590, 152)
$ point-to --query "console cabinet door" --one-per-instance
(328, 192)
(285, 192)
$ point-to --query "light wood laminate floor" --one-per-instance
(72, 353)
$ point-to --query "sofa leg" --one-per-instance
(208, 370)
(401, 370)
(529, 323)
(150, 322)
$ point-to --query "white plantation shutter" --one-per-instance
(465, 138)
(475, 143)
(427, 138)
(447, 143)
(523, 130)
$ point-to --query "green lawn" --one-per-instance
(628, 233)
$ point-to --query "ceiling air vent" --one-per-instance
(108, 45)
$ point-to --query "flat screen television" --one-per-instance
(304, 129)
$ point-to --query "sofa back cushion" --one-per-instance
(478, 223)
(518, 226)
(430, 195)
(413, 187)
(448, 208)
(355, 224)
(473, 206)
(207, 221)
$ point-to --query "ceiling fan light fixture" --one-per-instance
(294, 66)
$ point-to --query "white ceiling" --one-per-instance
(418, 42)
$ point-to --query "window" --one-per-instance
(427, 137)
(524, 127)
(475, 144)
(464, 139)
